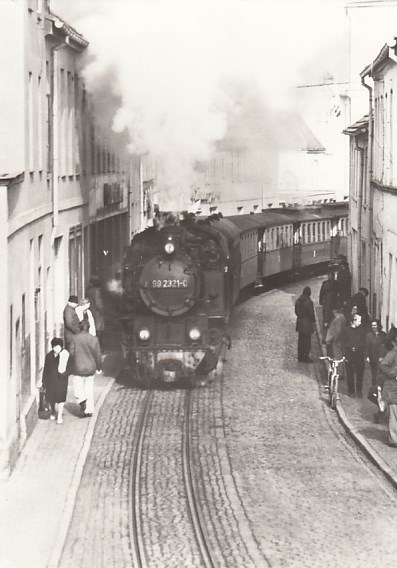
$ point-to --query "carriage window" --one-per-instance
(314, 232)
(303, 234)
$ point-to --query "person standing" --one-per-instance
(334, 338)
(305, 324)
(388, 367)
(86, 362)
(344, 282)
(94, 295)
(70, 320)
(55, 378)
(353, 340)
(328, 299)
(374, 340)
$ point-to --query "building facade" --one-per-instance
(69, 201)
(373, 188)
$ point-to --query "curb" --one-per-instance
(67, 513)
(371, 453)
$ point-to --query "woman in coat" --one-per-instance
(305, 324)
(388, 367)
(55, 378)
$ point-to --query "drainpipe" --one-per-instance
(369, 185)
(141, 196)
(54, 127)
(54, 158)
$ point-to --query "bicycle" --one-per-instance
(333, 379)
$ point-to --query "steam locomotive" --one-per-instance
(181, 281)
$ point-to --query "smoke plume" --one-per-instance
(173, 74)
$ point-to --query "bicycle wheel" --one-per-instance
(333, 393)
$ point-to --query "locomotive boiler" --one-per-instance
(180, 282)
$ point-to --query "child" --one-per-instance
(55, 378)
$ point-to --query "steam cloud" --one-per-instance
(164, 69)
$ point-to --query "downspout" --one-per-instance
(54, 160)
(141, 196)
(54, 127)
(369, 186)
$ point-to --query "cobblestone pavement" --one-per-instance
(311, 498)
(99, 533)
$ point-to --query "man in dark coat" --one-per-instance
(353, 341)
(375, 338)
(344, 282)
(70, 320)
(328, 299)
(305, 324)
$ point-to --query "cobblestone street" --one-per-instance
(280, 482)
(311, 499)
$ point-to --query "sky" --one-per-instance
(176, 73)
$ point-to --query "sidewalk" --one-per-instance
(357, 414)
(36, 502)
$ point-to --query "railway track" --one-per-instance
(192, 516)
(196, 515)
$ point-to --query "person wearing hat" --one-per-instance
(70, 320)
(305, 322)
(55, 377)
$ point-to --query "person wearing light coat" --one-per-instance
(388, 366)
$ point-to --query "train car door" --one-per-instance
(261, 254)
(297, 247)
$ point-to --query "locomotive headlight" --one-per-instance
(169, 248)
(144, 334)
(194, 334)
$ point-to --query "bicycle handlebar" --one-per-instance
(331, 360)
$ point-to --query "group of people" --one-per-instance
(348, 331)
(79, 355)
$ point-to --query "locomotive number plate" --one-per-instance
(169, 283)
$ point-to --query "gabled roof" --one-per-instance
(359, 127)
(387, 51)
